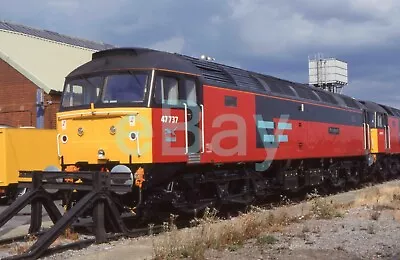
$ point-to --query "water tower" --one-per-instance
(328, 74)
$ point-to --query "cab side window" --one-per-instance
(166, 91)
(190, 91)
(379, 120)
(371, 120)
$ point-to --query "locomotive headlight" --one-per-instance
(64, 139)
(113, 130)
(133, 136)
(80, 131)
(101, 154)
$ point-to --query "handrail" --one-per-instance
(369, 136)
(89, 114)
(58, 145)
(186, 129)
(137, 144)
(365, 135)
(151, 88)
(385, 133)
(202, 128)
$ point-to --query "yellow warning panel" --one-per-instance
(26, 149)
(374, 141)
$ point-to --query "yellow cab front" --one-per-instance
(104, 118)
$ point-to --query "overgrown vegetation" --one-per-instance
(323, 209)
(22, 247)
(380, 198)
(70, 235)
(209, 232)
(212, 233)
(267, 239)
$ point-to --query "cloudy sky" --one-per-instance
(275, 37)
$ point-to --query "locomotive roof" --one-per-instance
(372, 106)
(122, 59)
(214, 74)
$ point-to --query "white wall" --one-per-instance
(47, 61)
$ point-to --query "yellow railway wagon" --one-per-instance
(24, 149)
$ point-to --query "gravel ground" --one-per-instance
(354, 236)
(369, 229)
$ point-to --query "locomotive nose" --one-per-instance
(106, 135)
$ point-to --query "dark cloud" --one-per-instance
(274, 37)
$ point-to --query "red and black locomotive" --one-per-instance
(217, 134)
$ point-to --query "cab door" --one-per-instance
(175, 118)
(378, 136)
(386, 126)
(194, 115)
(366, 131)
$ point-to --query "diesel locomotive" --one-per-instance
(194, 133)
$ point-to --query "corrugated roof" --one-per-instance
(54, 36)
(54, 52)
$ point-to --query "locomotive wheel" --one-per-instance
(382, 170)
(392, 167)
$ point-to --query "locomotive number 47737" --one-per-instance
(169, 119)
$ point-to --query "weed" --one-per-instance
(235, 247)
(69, 234)
(22, 247)
(384, 197)
(375, 215)
(267, 239)
(305, 229)
(324, 210)
(371, 229)
(211, 234)
(339, 248)
(313, 195)
(316, 230)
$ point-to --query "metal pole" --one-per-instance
(36, 205)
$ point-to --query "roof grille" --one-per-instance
(243, 77)
(211, 71)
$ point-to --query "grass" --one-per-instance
(322, 209)
(21, 247)
(267, 239)
(211, 233)
(378, 199)
(69, 235)
(375, 215)
(385, 197)
(371, 229)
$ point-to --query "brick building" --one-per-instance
(33, 66)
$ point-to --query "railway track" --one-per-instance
(45, 238)
(77, 244)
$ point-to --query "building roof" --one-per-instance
(42, 56)
(53, 36)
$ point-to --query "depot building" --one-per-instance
(33, 66)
